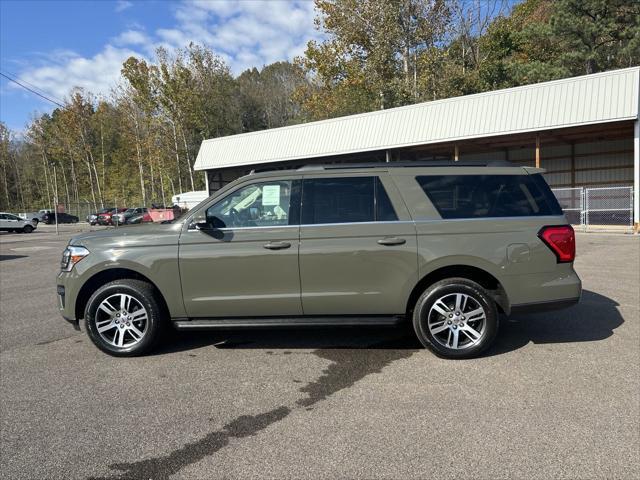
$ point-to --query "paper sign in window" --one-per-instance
(270, 195)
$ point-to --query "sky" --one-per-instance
(52, 46)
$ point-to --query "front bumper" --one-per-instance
(67, 294)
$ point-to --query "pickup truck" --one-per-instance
(34, 217)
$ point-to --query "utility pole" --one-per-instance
(55, 194)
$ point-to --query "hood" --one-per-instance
(130, 235)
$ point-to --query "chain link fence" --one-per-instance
(593, 208)
(82, 210)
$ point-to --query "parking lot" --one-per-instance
(557, 396)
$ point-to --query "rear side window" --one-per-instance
(478, 196)
(345, 200)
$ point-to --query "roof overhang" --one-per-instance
(573, 102)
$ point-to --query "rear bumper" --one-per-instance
(544, 306)
(559, 288)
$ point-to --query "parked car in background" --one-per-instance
(106, 218)
(140, 218)
(13, 223)
(124, 217)
(33, 217)
(92, 218)
(50, 218)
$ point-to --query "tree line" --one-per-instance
(138, 144)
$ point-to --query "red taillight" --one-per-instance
(561, 240)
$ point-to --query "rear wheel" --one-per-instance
(27, 229)
(124, 318)
(456, 318)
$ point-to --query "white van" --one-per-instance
(189, 200)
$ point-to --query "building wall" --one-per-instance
(599, 163)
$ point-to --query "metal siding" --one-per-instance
(603, 97)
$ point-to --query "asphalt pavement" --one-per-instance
(558, 396)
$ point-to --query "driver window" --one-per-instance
(256, 205)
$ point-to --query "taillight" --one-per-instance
(561, 239)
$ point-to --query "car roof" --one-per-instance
(403, 168)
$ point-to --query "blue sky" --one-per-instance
(57, 45)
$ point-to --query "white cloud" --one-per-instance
(96, 74)
(122, 5)
(245, 34)
(132, 37)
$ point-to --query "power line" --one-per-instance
(35, 87)
(31, 90)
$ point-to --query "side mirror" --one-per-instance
(200, 223)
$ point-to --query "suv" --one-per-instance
(13, 223)
(106, 218)
(448, 248)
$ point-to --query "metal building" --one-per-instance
(584, 131)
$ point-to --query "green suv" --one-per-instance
(449, 248)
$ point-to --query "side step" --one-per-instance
(272, 322)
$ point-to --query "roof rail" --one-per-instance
(405, 164)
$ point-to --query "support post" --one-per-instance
(206, 182)
(456, 153)
(387, 156)
(636, 176)
(537, 150)
(573, 164)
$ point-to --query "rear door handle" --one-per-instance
(277, 245)
(389, 241)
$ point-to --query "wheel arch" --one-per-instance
(473, 273)
(105, 276)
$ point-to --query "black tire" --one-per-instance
(74, 220)
(36, 221)
(146, 295)
(452, 286)
(27, 229)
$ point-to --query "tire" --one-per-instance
(74, 220)
(116, 325)
(27, 229)
(452, 332)
(36, 221)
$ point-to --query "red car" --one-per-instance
(105, 218)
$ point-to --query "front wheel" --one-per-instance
(456, 318)
(124, 318)
(27, 229)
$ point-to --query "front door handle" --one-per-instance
(389, 241)
(277, 245)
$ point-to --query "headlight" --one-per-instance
(71, 256)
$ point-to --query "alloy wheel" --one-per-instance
(457, 321)
(121, 320)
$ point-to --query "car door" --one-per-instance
(4, 223)
(244, 262)
(358, 251)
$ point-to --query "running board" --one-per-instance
(229, 323)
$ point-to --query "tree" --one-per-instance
(597, 34)
(370, 58)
